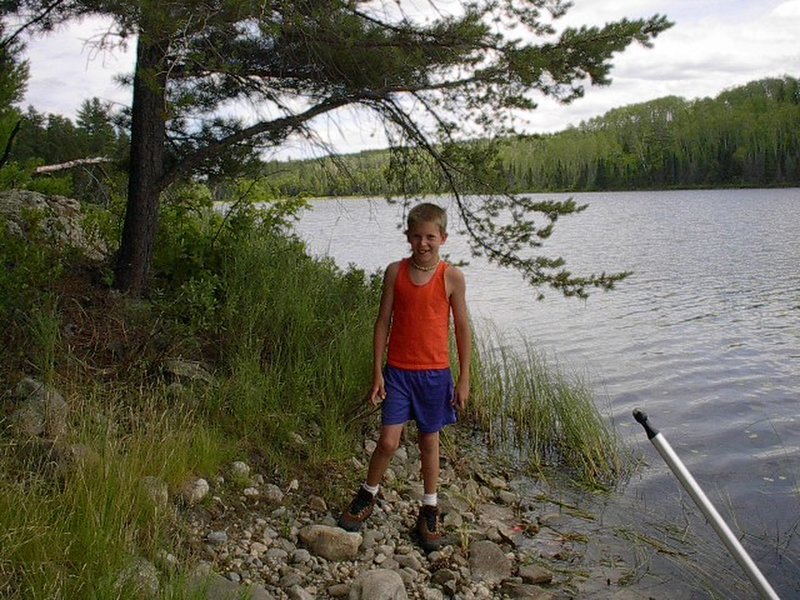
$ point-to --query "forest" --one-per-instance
(748, 136)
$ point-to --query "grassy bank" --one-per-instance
(287, 340)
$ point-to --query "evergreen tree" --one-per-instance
(300, 59)
(13, 78)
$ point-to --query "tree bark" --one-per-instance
(148, 135)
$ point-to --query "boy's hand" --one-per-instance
(378, 394)
(461, 394)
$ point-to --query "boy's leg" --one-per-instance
(388, 442)
(429, 455)
(428, 531)
(360, 507)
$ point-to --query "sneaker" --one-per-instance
(359, 510)
(429, 534)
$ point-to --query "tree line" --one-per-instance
(748, 136)
(428, 80)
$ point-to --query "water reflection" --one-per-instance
(704, 336)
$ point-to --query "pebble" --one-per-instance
(261, 539)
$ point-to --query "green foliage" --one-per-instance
(29, 265)
(194, 243)
(15, 177)
(296, 338)
(747, 136)
(79, 526)
(13, 79)
(430, 82)
(289, 340)
(54, 139)
(530, 407)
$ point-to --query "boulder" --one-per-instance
(194, 491)
(57, 219)
(138, 580)
(331, 543)
(203, 583)
(378, 584)
(156, 490)
(488, 562)
(41, 411)
(178, 370)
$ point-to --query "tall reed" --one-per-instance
(295, 339)
(72, 516)
(529, 406)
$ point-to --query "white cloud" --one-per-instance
(714, 45)
(67, 68)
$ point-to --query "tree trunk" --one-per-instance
(148, 135)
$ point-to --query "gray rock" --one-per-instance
(156, 490)
(525, 591)
(61, 222)
(217, 537)
(331, 543)
(301, 556)
(488, 563)
(442, 576)
(177, 369)
(41, 412)
(338, 590)
(535, 574)
(409, 561)
(452, 520)
(138, 580)
(277, 555)
(379, 584)
(239, 469)
(251, 493)
(194, 491)
(298, 593)
(507, 497)
(212, 586)
(317, 504)
(273, 493)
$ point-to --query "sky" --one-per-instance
(713, 46)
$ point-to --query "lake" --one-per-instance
(704, 336)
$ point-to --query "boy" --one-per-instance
(419, 293)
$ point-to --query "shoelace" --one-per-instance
(361, 501)
(431, 520)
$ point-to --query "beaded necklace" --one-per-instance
(421, 268)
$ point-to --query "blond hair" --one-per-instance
(427, 213)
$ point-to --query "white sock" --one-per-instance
(429, 499)
(372, 489)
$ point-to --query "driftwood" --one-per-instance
(78, 162)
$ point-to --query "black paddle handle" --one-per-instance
(641, 417)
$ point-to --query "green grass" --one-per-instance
(66, 531)
(288, 339)
(531, 407)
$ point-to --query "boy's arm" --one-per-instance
(380, 336)
(458, 304)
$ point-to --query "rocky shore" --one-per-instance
(260, 540)
(243, 534)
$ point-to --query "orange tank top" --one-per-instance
(419, 337)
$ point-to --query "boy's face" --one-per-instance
(425, 238)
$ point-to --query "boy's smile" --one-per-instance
(425, 238)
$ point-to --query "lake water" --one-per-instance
(704, 336)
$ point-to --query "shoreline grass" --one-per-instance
(531, 407)
(288, 339)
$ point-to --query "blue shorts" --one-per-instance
(424, 396)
